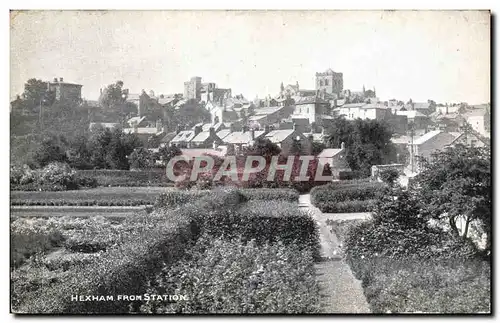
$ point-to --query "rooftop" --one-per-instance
(329, 152)
(277, 136)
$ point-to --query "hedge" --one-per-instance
(327, 196)
(282, 194)
(235, 277)
(159, 238)
(111, 177)
(346, 207)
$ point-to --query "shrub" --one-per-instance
(389, 176)
(32, 236)
(176, 198)
(270, 194)
(346, 207)
(234, 277)
(123, 269)
(127, 178)
(352, 196)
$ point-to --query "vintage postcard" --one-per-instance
(250, 162)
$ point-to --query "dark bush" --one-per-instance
(346, 207)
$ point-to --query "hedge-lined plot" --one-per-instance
(126, 258)
(351, 196)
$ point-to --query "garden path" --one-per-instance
(341, 291)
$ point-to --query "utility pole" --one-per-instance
(412, 152)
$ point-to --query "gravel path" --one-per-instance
(341, 291)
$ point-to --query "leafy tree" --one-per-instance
(389, 176)
(456, 183)
(262, 147)
(50, 150)
(166, 153)
(36, 92)
(368, 142)
(141, 158)
(113, 95)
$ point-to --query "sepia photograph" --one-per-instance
(250, 162)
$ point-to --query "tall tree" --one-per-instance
(367, 142)
(456, 183)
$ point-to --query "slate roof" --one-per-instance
(277, 136)
(183, 136)
(410, 114)
(136, 120)
(422, 139)
(329, 152)
(223, 133)
(197, 152)
(240, 137)
(168, 137)
(142, 130)
(164, 101)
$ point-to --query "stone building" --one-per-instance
(64, 90)
(330, 82)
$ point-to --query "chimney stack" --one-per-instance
(294, 126)
(197, 130)
(342, 146)
(212, 131)
(60, 79)
(55, 79)
(266, 129)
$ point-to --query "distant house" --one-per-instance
(431, 142)
(183, 138)
(239, 139)
(312, 108)
(371, 111)
(148, 135)
(336, 158)
(65, 91)
(206, 139)
(137, 122)
(290, 139)
(422, 107)
(479, 119)
(419, 120)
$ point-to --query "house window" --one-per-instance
(326, 82)
(321, 83)
(307, 110)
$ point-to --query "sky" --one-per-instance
(418, 55)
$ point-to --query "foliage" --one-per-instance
(165, 153)
(141, 158)
(389, 176)
(50, 150)
(271, 194)
(368, 142)
(346, 206)
(456, 183)
(98, 196)
(36, 91)
(346, 196)
(115, 177)
(234, 277)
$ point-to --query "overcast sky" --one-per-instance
(440, 55)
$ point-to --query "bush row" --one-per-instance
(69, 202)
(53, 177)
(327, 196)
(236, 277)
(346, 207)
(180, 197)
(106, 177)
(153, 241)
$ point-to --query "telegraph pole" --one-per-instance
(412, 153)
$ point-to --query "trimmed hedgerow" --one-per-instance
(338, 197)
(236, 277)
(346, 207)
(282, 194)
(127, 178)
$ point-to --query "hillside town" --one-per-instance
(291, 116)
(250, 162)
